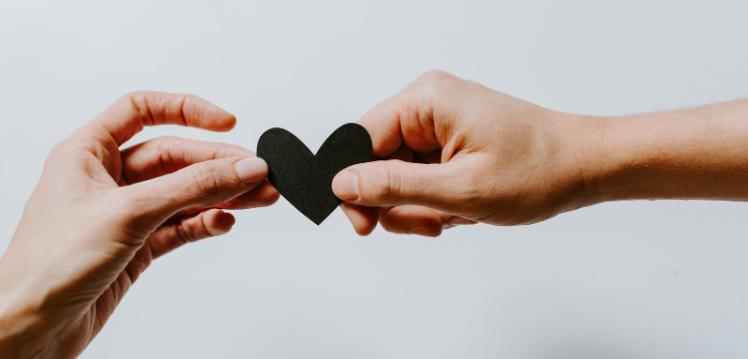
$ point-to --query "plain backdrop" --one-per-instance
(663, 279)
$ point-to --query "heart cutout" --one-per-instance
(305, 179)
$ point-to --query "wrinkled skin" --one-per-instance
(100, 215)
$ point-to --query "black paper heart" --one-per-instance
(305, 179)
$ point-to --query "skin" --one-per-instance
(454, 152)
(101, 214)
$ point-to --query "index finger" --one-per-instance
(131, 113)
(407, 118)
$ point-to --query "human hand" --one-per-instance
(455, 152)
(99, 216)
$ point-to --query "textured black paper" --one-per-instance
(305, 179)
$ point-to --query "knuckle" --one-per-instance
(144, 96)
(386, 184)
(394, 181)
(201, 229)
(204, 179)
(138, 102)
(164, 144)
(166, 159)
(193, 230)
(138, 97)
(415, 109)
(433, 83)
(153, 105)
(185, 100)
(188, 98)
(184, 234)
(434, 79)
(136, 94)
(434, 75)
(378, 192)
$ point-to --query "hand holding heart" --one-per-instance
(447, 152)
(100, 215)
(455, 152)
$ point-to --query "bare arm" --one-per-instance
(698, 153)
(453, 152)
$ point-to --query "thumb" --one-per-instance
(395, 182)
(200, 185)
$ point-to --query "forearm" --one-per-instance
(699, 153)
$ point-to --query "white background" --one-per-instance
(619, 280)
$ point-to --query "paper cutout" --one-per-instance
(305, 179)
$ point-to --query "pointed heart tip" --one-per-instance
(305, 178)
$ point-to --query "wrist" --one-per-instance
(585, 167)
(696, 153)
(606, 155)
(21, 323)
(614, 157)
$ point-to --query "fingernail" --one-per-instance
(251, 169)
(458, 221)
(345, 185)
